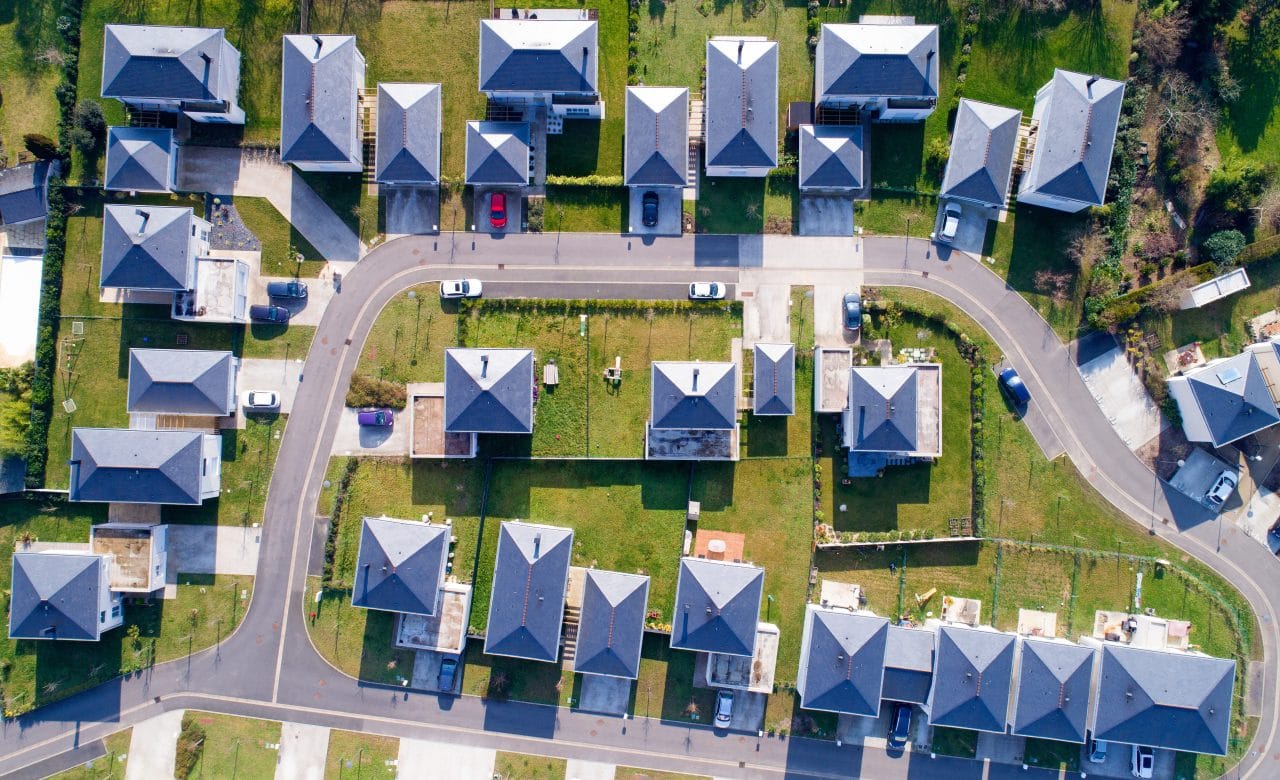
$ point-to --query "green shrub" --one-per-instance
(591, 180)
(368, 391)
(190, 744)
(1224, 246)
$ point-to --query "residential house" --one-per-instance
(498, 154)
(188, 382)
(530, 577)
(908, 664)
(972, 678)
(657, 137)
(193, 71)
(1074, 126)
(151, 248)
(320, 128)
(62, 594)
(548, 58)
(141, 159)
(400, 566)
(773, 386)
(1052, 690)
(1225, 399)
(408, 135)
(488, 390)
(842, 661)
(693, 411)
(24, 191)
(741, 106)
(983, 144)
(717, 606)
(115, 465)
(894, 416)
(889, 71)
(611, 625)
(831, 160)
(138, 555)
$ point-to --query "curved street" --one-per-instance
(269, 668)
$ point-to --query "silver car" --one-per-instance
(950, 223)
(261, 401)
(461, 288)
(1222, 489)
(706, 291)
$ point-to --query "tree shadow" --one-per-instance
(1040, 237)
(1257, 70)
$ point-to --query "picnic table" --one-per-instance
(550, 373)
(614, 373)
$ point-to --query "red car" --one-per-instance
(498, 210)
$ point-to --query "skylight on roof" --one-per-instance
(1228, 375)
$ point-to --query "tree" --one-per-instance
(88, 128)
(1160, 38)
(1183, 110)
(1224, 246)
(1087, 245)
(1268, 208)
(1159, 245)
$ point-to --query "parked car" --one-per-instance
(261, 401)
(950, 223)
(376, 418)
(1143, 762)
(852, 307)
(1014, 387)
(649, 209)
(461, 288)
(269, 313)
(498, 210)
(448, 668)
(724, 708)
(292, 289)
(901, 730)
(706, 291)
(1222, 489)
(1097, 751)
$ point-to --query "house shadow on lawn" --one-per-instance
(455, 485)
(380, 660)
(712, 485)
(766, 436)
(663, 486)
(1040, 237)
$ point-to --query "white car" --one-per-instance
(950, 223)
(1222, 489)
(460, 288)
(724, 708)
(706, 291)
(1143, 762)
(261, 401)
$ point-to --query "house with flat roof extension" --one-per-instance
(62, 595)
(1052, 689)
(530, 577)
(889, 71)
(138, 555)
(693, 411)
(908, 664)
(400, 565)
(972, 678)
(126, 466)
(1073, 132)
(1224, 400)
(548, 57)
(741, 106)
(321, 79)
(498, 154)
(488, 390)
(194, 71)
(189, 382)
(842, 661)
(408, 135)
(611, 625)
(24, 191)
(831, 159)
(717, 606)
(773, 379)
(894, 416)
(983, 144)
(657, 138)
(151, 248)
(141, 159)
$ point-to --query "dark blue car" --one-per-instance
(1012, 385)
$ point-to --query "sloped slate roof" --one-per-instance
(400, 565)
(488, 390)
(612, 624)
(173, 63)
(1233, 398)
(136, 466)
(1077, 131)
(982, 147)
(408, 147)
(539, 55)
(697, 396)
(1053, 690)
(742, 102)
(529, 580)
(882, 409)
(138, 158)
(657, 138)
(898, 60)
(321, 78)
(1174, 700)
(181, 381)
(54, 596)
(24, 191)
(908, 665)
(498, 153)
(146, 247)
(844, 657)
(971, 679)
(831, 157)
(717, 606)
(774, 379)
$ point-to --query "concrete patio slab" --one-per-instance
(209, 549)
(421, 760)
(153, 747)
(355, 439)
(303, 749)
(826, 215)
(607, 695)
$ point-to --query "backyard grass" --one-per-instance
(1041, 580)
(27, 30)
(954, 742)
(896, 214)
(586, 210)
(356, 641)
(665, 687)
(1032, 240)
(499, 677)
(1251, 125)
(111, 765)
(729, 205)
(520, 766)
(280, 241)
(1220, 326)
(235, 746)
(372, 751)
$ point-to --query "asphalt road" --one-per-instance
(268, 666)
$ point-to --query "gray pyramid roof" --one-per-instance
(136, 466)
(529, 581)
(882, 409)
(147, 247)
(1180, 701)
(742, 102)
(138, 158)
(182, 381)
(657, 138)
(982, 147)
(1233, 398)
(972, 677)
(498, 153)
(830, 157)
(612, 624)
(1052, 701)
(408, 149)
(321, 78)
(843, 656)
(696, 396)
(54, 595)
(1077, 131)
(400, 565)
(24, 191)
(488, 390)
(908, 665)
(717, 606)
(539, 55)
(172, 63)
(774, 373)
(888, 60)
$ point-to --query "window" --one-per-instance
(115, 611)
(102, 617)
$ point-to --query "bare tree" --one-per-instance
(1086, 246)
(1183, 110)
(1055, 284)
(1167, 297)
(1158, 245)
(1160, 39)
(1268, 208)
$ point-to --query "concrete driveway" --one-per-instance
(1123, 398)
(826, 215)
(303, 750)
(971, 236)
(424, 760)
(828, 316)
(607, 695)
(766, 315)
(748, 711)
(354, 439)
(153, 747)
(480, 211)
(305, 311)
(578, 769)
(209, 549)
(279, 375)
(411, 210)
(426, 671)
(670, 211)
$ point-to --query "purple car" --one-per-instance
(376, 418)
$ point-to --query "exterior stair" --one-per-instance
(572, 615)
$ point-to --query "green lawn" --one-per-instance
(356, 641)
(519, 766)
(501, 677)
(586, 210)
(895, 214)
(1036, 580)
(27, 31)
(1220, 326)
(112, 765)
(1251, 126)
(280, 241)
(729, 205)
(954, 742)
(1034, 239)
(1052, 754)
(235, 746)
(631, 773)
(371, 751)
(665, 686)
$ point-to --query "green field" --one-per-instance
(27, 78)
(1220, 326)
(519, 766)
(1251, 125)
(112, 765)
(370, 751)
(235, 747)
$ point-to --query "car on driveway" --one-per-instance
(724, 709)
(269, 313)
(1013, 386)
(1142, 763)
(851, 312)
(1222, 489)
(950, 223)
(649, 209)
(706, 291)
(448, 668)
(376, 418)
(498, 210)
(900, 732)
(261, 401)
(461, 288)
(292, 289)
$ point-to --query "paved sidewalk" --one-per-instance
(153, 747)
(303, 749)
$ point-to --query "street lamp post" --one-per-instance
(359, 762)
(768, 612)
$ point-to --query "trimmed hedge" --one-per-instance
(592, 180)
(366, 391)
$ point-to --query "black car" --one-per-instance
(901, 730)
(260, 313)
(852, 312)
(1014, 387)
(649, 209)
(448, 668)
(291, 289)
